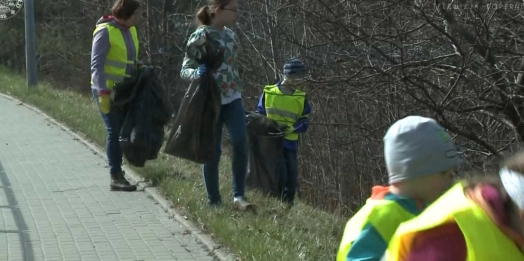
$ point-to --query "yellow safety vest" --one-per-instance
(484, 241)
(284, 108)
(116, 60)
(384, 215)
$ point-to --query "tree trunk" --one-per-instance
(271, 31)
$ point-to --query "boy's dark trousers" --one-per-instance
(288, 176)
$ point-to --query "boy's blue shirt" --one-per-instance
(300, 126)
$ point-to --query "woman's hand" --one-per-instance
(201, 70)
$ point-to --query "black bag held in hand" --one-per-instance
(146, 113)
(266, 145)
(193, 133)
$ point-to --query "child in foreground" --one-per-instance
(420, 158)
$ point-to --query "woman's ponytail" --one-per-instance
(203, 16)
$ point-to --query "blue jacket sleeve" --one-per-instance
(302, 124)
(369, 246)
(99, 52)
(261, 107)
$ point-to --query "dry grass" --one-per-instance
(274, 233)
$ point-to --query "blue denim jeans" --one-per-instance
(113, 121)
(289, 175)
(234, 117)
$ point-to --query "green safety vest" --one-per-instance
(116, 60)
(284, 108)
(384, 215)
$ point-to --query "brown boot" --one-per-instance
(120, 183)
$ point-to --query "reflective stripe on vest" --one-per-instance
(384, 215)
(484, 240)
(116, 60)
(284, 108)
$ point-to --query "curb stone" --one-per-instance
(217, 250)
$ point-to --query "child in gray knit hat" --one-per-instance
(420, 158)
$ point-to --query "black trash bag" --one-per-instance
(193, 133)
(266, 145)
(124, 92)
(147, 113)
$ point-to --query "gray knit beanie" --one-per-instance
(416, 146)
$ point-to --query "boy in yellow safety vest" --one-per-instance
(420, 158)
(284, 103)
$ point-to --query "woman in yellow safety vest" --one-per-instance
(479, 219)
(114, 56)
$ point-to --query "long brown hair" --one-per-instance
(204, 15)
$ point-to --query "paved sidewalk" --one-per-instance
(55, 202)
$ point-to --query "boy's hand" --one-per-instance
(104, 102)
(139, 64)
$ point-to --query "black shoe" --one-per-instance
(215, 204)
(288, 202)
(120, 183)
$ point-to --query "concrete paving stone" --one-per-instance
(56, 204)
(89, 258)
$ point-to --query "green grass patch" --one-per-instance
(274, 233)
